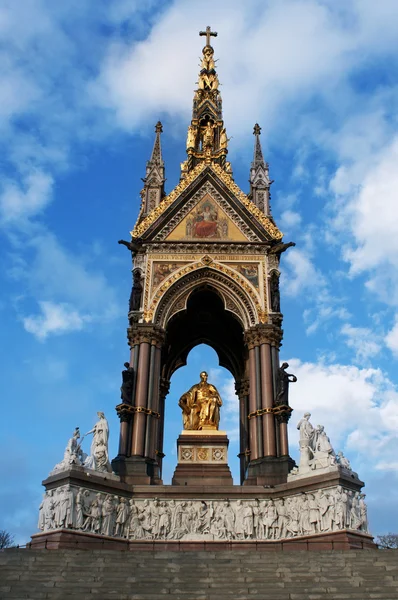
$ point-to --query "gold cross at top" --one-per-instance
(208, 33)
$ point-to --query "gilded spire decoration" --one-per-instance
(207, 139)
(259, 176)
(153, 190)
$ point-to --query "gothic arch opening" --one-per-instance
(204, 321)
(201, 357)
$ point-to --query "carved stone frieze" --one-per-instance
(83, 509)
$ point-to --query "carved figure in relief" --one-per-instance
(201, 405)
(65, 507)
(283, 380)
(49, 510)
(122, 514)
(363, 512)
(314, 517)
(164, 520)
(271, 520)
(99, 458)
(108, 511)
(282, 518)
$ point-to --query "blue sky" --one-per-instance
(81, 90)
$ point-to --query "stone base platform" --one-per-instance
(337, 540)
(202, 459)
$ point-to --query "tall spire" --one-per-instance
(156, 156)
(259, 176)
(207, 139)
(153, 190)
(258, 153)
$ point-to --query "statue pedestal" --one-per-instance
(202, 458)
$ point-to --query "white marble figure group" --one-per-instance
(98, 459)
(321, 511)
(316, 451)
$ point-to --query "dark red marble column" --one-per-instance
(267, 397)
(138, 435)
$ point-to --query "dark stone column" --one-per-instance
(138, 437)
(138, 463)
(253, 437)
(242, 390)
(265, 466)
(163, 391)
(267, 396)
(259, 419)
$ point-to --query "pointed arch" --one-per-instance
(235, 299)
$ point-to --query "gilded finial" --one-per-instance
(158, 127)
(256, 129)
(208, 33)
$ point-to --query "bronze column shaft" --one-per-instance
(137, 442)
(253, 405)
(267, 394)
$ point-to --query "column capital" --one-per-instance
(242, 387)
(124, 412)
(263, 334)
(282, 413)
(143, 333)
(164, 387)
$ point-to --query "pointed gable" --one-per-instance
(239, 218)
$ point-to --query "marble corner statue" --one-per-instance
(73, 454)
(201, 405)
(97, 460)
(99, 457)
(316, 451)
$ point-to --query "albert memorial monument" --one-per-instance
(205, 269)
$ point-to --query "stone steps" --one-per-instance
(241, 575)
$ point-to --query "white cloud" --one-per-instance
(290, 219)
(358, 407)
(54, 319)
(392, 338)
(20, 204)
(365, 342)
(301, 273)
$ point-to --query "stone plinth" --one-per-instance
(202, 459)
